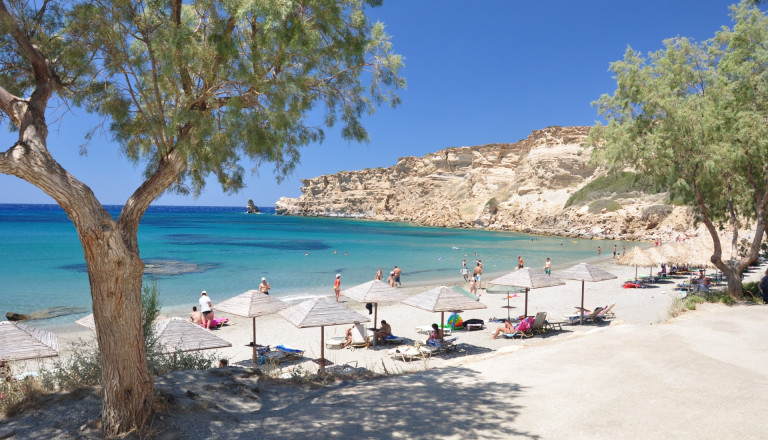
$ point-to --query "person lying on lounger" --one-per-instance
(510, 329)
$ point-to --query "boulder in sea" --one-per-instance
(251, 207)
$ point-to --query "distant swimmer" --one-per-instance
(307, 254)
(455, 248)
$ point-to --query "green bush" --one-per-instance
(692, 300)
(614, 186)
(597, 206)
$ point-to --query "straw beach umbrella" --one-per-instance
(21, 341)
(87, 321)
(443, 299)
(527, 279)
(507, 290)
(320, 312)
(585, 272)
(636, 257)
(375, 291)
(250, 305)
(179, 334)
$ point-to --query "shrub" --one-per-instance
(619, 185)
(692, 300)
(597, 206)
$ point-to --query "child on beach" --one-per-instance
(548, 267)
(337, 286)
(473, 286)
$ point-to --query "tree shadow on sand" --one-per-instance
(451, 402)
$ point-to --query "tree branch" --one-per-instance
(164, 176)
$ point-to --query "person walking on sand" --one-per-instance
(473, 286)
(465, 273)
(337, 286)
(548, 267)
(378, 275)
(397, 272)
(264, 286)
(205, 309)
(477, 275)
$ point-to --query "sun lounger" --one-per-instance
(392, 339)
(408, 353)
(538, 323)
(443, 345)
(335, 342)
(290, 352)
(576, 318)
(360, 336)
(426, 329)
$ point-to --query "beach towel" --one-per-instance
(525, 325)
(216, 323)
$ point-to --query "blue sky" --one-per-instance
(478, 72)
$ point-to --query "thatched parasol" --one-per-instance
(320, 312)
(87, 321)
(636, 257)
(527, 279)
(585, 272)
(179, 334)
(375, 291)
(250, 305)
(506, 290)
(443, 299)
(21, 341)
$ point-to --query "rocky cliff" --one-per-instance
(523, 186)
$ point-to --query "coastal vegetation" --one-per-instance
(83, 367)
(189, 91)
(691, 118)
(620, 185)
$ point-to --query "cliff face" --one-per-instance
(519, 187)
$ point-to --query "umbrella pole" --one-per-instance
(375, 315)
(508, 318)
(442, 320)
(582, 302)
(321, 370)
(526, 302)
(254, 341)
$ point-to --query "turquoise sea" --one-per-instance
(225, 251)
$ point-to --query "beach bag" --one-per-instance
(474, 321)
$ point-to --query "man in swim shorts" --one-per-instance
(195, 316)
(478, 274)
(397, 272)
(205, 309)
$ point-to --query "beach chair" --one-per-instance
(576, 318)
(290, 353)
(607, 313)
(360, 336)
(538, 323)
(392, 339)
(407, 353)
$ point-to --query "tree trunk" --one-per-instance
(115, 274)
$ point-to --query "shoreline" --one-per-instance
(635, 307)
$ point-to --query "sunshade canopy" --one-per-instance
(636, 257)
(443, 299)
(317, 312)
(87, 321)
(179, 334)
(20, 341)
(251, 304)
(527, 279)
(585, 272)
(375, 291)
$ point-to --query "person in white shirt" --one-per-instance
(205, 309)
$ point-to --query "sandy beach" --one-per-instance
(698, 376)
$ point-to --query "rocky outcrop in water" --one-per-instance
(522, 186)
(251, 207)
